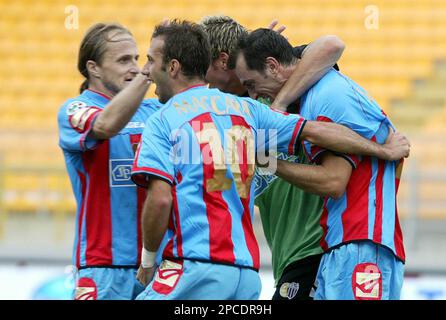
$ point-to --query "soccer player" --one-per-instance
(362, 238)
(197, 158)
(98, 133)
(290, 216)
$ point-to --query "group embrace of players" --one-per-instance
(166, 187)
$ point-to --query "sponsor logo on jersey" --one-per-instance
(120, 173)
(135, 125)
(86, 289)
(367, 282)
(167, 276)
(289, 290)
(75, 106)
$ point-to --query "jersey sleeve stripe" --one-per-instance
(87, 129)
(139, 176)
(295, 137)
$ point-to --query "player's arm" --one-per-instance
(317, 59)
(341, 139)
(155, 218)
(329, 179)
(120, 109)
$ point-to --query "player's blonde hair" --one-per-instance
(224, 34)
(94, 45)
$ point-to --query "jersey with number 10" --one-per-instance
(203, 143)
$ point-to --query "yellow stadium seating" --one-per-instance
(38, 71)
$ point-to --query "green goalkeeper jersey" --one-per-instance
(290, 218)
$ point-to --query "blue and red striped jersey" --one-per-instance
(368, 208)
(203, 143)
(108, 202)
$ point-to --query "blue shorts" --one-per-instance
(193, 280)
(360, 270)
(107, 284)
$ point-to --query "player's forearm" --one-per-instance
(155, 219)
(318, 58)
(341, 139)
(120, 109)
(310, 178)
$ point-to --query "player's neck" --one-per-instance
(181, 86)
(286, 72)
(99, 87)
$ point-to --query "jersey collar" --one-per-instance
(193, 87)
(96, 95)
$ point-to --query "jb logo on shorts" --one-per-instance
(86, 289)
(167, 276)
(367, 282)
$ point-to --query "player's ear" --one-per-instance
(174, 68)
(223, 60)
(272, 65)
(93, 69)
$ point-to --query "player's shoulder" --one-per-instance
(331, 87)
(73, 105)
(151, 103)
(150, 106)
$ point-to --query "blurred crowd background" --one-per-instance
(395, 49)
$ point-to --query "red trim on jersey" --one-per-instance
(98, 208)
(100, 93)
(168, 250)
(194, 86)
(377, 230)
(157, 172)
(178, 234)
(398, 234)
(295, 136)
(248, 230)
(356, 213)
(141, 195)
(323, 119)
(221, 247)
(83, 181)
(324, 225)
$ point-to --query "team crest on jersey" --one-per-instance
(367, 282)
(289, 290)
(167, 276)
(121, 172)
(75, 106)
(86, 289)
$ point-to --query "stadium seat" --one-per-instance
(39, 55)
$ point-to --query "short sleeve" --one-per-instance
(344, 111)
(153, 155)
(281, 130)
(75, 120)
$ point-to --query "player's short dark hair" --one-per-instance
(93, 46)
(261, 44)
(188, 43)
(224, 34)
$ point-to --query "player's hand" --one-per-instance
(396, 147)
(145, 275)
(144, 78)
(274, 23)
